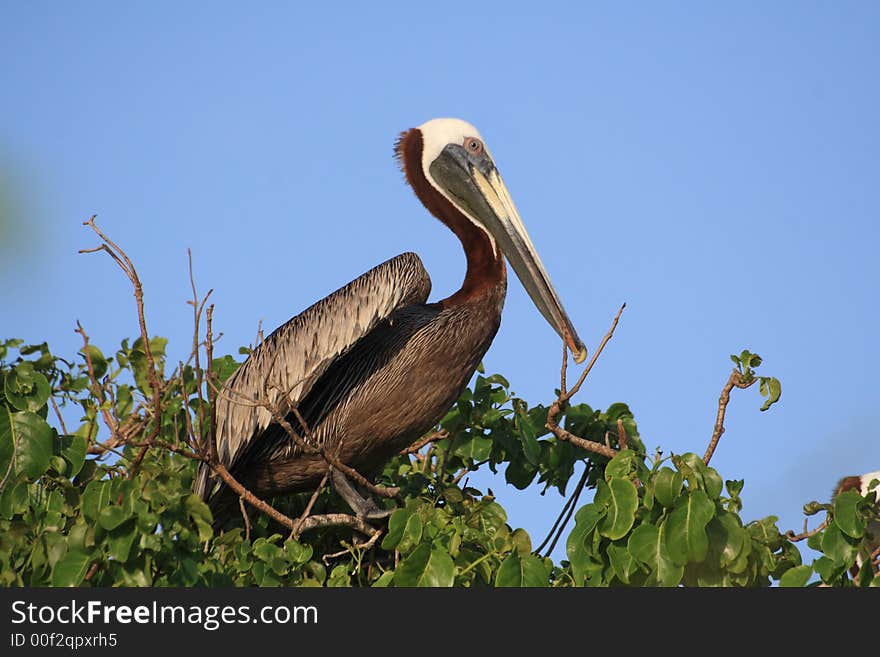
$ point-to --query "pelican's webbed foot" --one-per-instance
(364, 508)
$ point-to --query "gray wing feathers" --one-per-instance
(283, 368)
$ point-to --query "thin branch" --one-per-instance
(121, 258)
(622, 440)
(311, 503)
(207, 442)
(336, 520)
(565, 395)
(198, 307)
(366, 545)
(58, 414)
(247, 520)
(734, 381)
(432, 437)
(577, 441)
(577, 386)
(564, 515)
(97, 388)
(128, 267)
(794, 538)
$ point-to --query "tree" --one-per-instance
(79, 509)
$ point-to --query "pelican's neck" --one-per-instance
(485, 263)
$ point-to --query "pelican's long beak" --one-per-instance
(507, 227)
(481, 193)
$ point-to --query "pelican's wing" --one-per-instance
(283, 368)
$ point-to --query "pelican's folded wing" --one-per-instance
(283, 368)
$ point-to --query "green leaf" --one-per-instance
(475, 447)
(686, 528)
(99, 363)
(120, 541)
(522, 541)
(837, 547)
(7, 440)
(384, 579)
(727, 538)
(33, 439)
(521, 571)
(25, 388)
(201, 515)
(14, 500)
(396, 525)
(622, 562)
(846, 514)
(298, 552)
(70, 569)
(624, 465)
(74, 452)
(667, 486)
(586, 519)
(412, 533)
(426, 566)
(796, 577)
(621, 499)
(772, 389)
(110, 517)
(528, 437)
(94, 498)
(647, 544)
(224, 367)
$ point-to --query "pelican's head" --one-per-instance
(456, 162)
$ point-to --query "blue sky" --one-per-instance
(716, 167)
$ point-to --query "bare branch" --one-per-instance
(311, 503)
(58, 415)
(564, 515)
(794, 538)
(735, 380)
(433, 437)
(565, 395)
(622, 440)
(247, 520)
(97, 388)
(577, 386)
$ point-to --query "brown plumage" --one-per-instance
(373, 366)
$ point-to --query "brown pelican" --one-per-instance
(373, 366)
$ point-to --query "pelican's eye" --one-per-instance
(473, 145)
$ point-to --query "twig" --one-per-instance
(432, 437)
(622, 440)
(577, 441)
(310, 504)
(97, 388)
(735, 380)
(58, 414)
(121, 258)
(128, 267)
(565, 395)
(577, 386)
(198, 307)
(92, 570)
(247, 520)
(207, 442)
(335, 520)
(366, 545)
(794, 538)
(566, 512)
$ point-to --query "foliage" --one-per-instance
(75, 513)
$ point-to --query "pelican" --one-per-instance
(373, 366)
